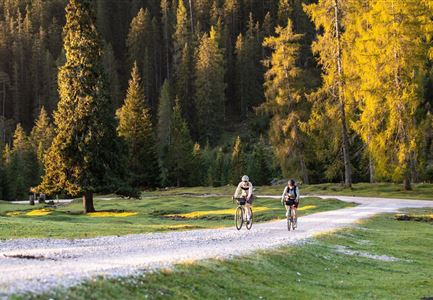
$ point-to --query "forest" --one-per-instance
(122, 95)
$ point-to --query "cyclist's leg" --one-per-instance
(287, 209)
(247, 210)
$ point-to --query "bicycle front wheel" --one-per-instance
(239, 218)
(250, 223)
(289, 220)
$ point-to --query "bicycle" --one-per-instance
(292, 219)
(240, 214)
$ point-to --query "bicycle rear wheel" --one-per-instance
(239, 218)
(250, 223)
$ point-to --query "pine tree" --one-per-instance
(327, 16)
(237, 163)
(259, 168)
(42, 135)
(85, 156)
(249, 70)
(164, 117)
(21, 166)
(180, 150)
(110, 68)
(210, 87)
(135, 127)
(198, 176)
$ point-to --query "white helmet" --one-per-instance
(245, 178)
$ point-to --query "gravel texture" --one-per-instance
(38, 265)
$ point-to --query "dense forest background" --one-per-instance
(331, 91)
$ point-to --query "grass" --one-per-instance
(385, 190)
(149, 214)
(315, 270)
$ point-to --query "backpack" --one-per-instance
(294, 191)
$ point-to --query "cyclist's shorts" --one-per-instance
(291, 202)
(244, 200)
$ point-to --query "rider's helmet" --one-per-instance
(245, 178)
(291, 182)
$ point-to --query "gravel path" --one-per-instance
(37, 265)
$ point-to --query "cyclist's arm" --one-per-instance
(284, 194)
(298, 196)
(238, 189)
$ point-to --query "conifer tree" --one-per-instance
(210, 87)
(390, 100)
(85, 156)
(135, 127)
(327, 16)
(284, 101)
(179, 155)
(42, 135)
(164, 117)
(249, 70)
(237, 163)
(259, 168)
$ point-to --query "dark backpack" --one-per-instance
(294, 191)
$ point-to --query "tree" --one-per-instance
(164, 117)
(21, 166)
(210, 87)
(259, 168)
(85, 156)
(391, 67)
(284, 102)
(135, 127)
(41, 137)
(110, 68)
(249, 69)
(237, 163)
(327, 16)
(180, 149)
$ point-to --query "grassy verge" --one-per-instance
(386, 190)
(381, 259)
(150, 214)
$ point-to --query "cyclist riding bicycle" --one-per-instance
(290, 196)
(245, 190)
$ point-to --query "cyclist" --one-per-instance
(290, 196)
(245, 190)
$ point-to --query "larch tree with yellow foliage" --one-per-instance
(329, 101)
(284, 101)
(391, 58)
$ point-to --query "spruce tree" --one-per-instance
(210, 88)
(237, 163)
(164, 117)
(85, 156)
(135, 127)
(180, 150)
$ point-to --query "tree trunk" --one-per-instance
(88, 202)
(304, 171)
(406, 184)
(345, 146)
(371, 168)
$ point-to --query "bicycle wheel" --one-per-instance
(239, 218)
(250, 223)
(289, 219)
(295, 222)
